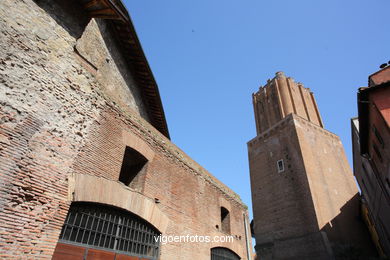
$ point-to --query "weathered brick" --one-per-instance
(60, 119)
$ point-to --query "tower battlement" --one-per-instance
(280, 97)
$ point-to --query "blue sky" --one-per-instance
(208, 57)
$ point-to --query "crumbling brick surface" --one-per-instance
(58, 117)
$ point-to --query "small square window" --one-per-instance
(133, 165)
(280, 165)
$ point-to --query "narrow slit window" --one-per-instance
(225, 220)
(280, 166)
(133, 163)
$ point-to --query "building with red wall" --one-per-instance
(371, 155)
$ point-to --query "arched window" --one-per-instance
(222, 253)
(91, 225)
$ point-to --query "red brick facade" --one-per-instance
(66, 119)
(305, 200)
(371, 138)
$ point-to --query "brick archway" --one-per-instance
(89, 188)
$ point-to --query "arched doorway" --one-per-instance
(222, 253)
(96, 231)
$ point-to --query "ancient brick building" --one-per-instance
(371, 156)
(305, 200)
(87, 167)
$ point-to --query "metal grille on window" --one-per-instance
(100, 226)
(221, 253)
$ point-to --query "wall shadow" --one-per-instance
(72, 16)
(122, 63)
(348, 234)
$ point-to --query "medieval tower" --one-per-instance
(304, 197)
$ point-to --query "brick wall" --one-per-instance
(61, 116)
(280, 201)
(315, 193)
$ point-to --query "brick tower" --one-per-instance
(304, 197)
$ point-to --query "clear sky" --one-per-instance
(209, 56)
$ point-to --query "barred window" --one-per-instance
(222, 253)
(100, 226)
(280, 166)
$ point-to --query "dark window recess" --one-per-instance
(225, 220)
(221, 253)
(104, 227)
(378, 136)
(133, 163)
(378, 154)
